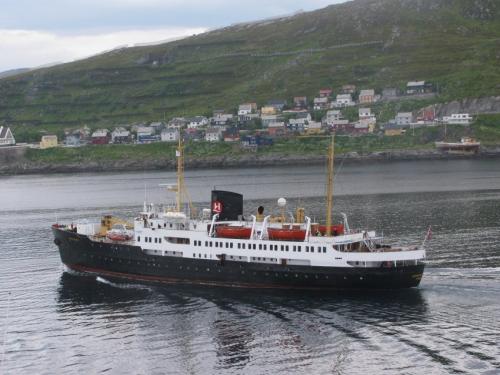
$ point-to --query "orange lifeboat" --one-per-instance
(283, 234)
(118, 236)
(227, 231)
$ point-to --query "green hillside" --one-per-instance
(454, 44)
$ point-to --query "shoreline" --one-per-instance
(26, 167)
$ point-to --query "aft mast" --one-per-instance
(179, 153)
(329, 187)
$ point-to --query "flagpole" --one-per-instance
(428, 235)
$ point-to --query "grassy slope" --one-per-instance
(451, 43)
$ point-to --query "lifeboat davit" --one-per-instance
(336, 230)
(282, 234)
(227, 231)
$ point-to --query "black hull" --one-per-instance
(127, 262)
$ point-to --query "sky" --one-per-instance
(39, 32)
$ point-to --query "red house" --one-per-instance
(101, 137)
(325, 93)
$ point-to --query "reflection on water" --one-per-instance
(53, 321)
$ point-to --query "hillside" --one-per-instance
(371, 43)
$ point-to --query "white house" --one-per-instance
(404, 118)
(222, 119)
(244, 109)
(320, 103)
(177, 123)
(213, 135)
(344, 100)
(196, 122)
(458, 119)
(332, 116)
(415, 87)
(170, 135)
(6, 137)
(120, 135)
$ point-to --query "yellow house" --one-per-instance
(48, 141)
(268, 110)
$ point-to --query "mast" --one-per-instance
(180, 174)
(329, 187)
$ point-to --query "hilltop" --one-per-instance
(371, 43)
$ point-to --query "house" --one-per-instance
(366, 116)
(325, 93)
(48, 141)
(196, 122)
(245, 119)
(213, 135)
(297, 125)
(170, 135)
(6, 137)
(366, 96)
(253, 141)
(404, 118)
(348, 89)
(415, 87)
(300, 102)
(278, 104)
(268, 110)
(313, 128)
(321, 104)
(268, 119)
(100, 137)
(72, 139)
(332, 116)
(231, 135)
(277, 129)
(344, 100)
(222, 119)
(341, 125)
(245, 109)
(427, 114)
(360, 128)
(146, 134)
(303, 115)
(120, 135)
(458, 119)
(177, 123)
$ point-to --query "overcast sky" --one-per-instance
(38, 32)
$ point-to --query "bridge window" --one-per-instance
(138, 238)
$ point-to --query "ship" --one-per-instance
(466, 146)
(220, 246)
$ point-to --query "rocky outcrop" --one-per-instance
(474, 106)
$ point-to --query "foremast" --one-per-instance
(182, 194)
(329, 186)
